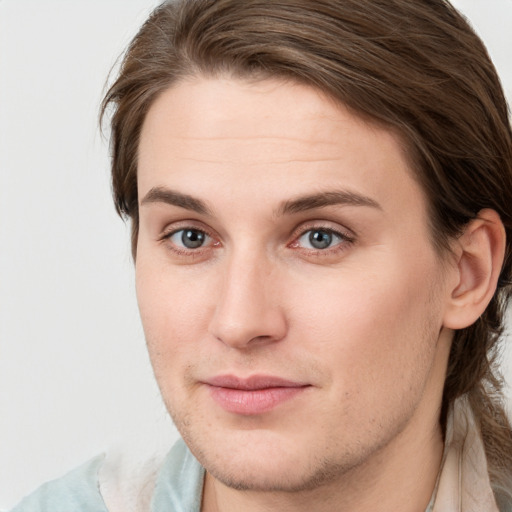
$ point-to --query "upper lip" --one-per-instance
(252, 383)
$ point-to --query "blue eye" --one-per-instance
(189, 238)
(320, 239)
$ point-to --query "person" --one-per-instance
(320, 203)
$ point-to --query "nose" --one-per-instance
(248, 310)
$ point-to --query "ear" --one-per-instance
(480, 252)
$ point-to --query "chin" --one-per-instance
(279, 482)
(264, 461)
(275, 475)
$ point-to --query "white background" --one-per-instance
(74, 375)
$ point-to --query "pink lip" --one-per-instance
(254, 395)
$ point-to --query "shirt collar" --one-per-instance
(463, 483)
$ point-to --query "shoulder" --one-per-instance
(77, 491)
(166, 480)
(125, 481)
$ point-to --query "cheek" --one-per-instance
(373, 327)
(174, 308)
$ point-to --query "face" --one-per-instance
(290, 295)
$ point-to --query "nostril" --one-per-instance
(257, 330)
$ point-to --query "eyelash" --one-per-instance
(345, 240)
(184, 251)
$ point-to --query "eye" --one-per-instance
(189, 238)
(320, 239)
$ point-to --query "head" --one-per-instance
(412, 75)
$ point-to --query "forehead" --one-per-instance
(253, 108)
(270, 136)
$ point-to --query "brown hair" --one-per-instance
(415, 66)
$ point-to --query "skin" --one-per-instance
(361, 322)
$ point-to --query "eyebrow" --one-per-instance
(300, 204)
(173, 198)
(323, 199)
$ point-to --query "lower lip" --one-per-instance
(252, 402)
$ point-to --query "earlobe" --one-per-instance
(480, 254)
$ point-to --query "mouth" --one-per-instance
(254, 395)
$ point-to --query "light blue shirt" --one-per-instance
(178, 487)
